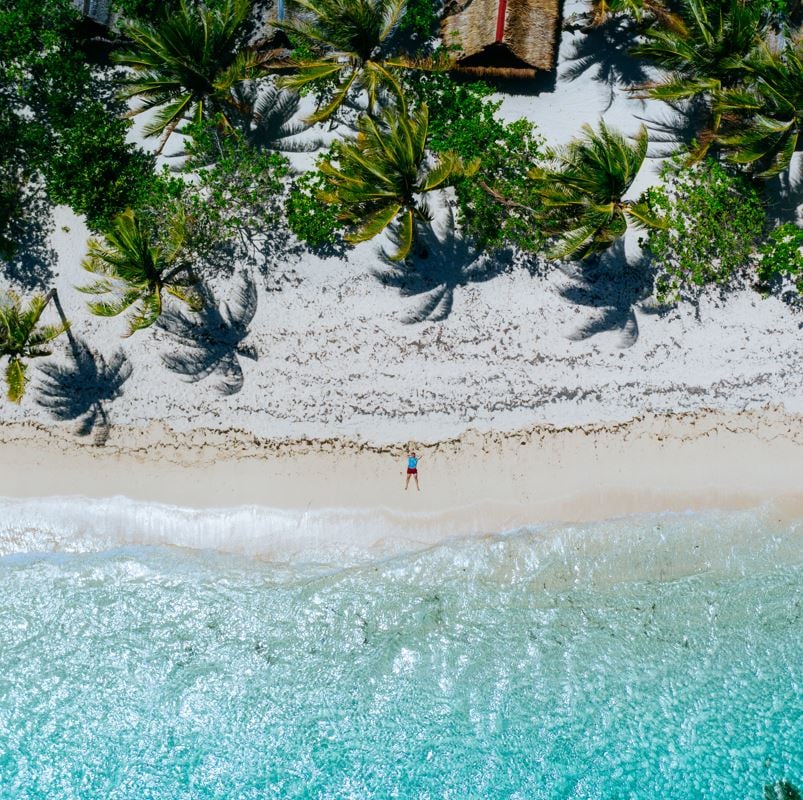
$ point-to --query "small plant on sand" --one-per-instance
(136, 270)
(383, 175)
(187, 64)
(313, 221)
(711, 221)
(764, 120)
(781, 255)
(583, 190)
(238, 192)
(23, 338)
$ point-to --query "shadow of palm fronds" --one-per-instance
(80, 390)
(606, 50)
(675, 131)
(273, 119)
(29, 259)
(612, 288)
(444, 262)
(212, 340)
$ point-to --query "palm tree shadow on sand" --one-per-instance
(675, 130)
(81, 390)
(445, 261)
(273, 122)
(605, 50)
(211, 342)
(31, 265)
(612, 288)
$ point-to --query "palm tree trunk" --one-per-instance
(76, 350)
(48, 297)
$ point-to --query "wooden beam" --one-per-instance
(500, 21)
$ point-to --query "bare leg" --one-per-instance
(407, 482)
(416, 482)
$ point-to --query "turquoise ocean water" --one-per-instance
(659, 657)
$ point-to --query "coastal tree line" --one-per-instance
(731, 70)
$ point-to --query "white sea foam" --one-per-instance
(80, 524)
(650, 547)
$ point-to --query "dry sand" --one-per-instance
(484, 482)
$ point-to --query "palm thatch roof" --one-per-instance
(504, 38)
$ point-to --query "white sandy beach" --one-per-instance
(622, 408)
(346, 494)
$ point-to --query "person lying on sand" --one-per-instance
(412, 470)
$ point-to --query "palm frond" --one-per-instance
(15, 380)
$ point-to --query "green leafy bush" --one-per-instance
(420, 19)
(94, 170)
(312, 220)
(496, 205)
(60, 122)
(712, 220)
(782, 255)
(151, 10)
(238, 196)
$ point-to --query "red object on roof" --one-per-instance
(500, 21)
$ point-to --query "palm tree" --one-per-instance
(22, 337)
(382, 174)
(705, 55)
(601, 11)
(582, 192)
(353, 35)
(137, 270)
(187, 64)
(764, 120)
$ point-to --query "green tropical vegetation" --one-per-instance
(238, 193)
(22, 338)
(781, 255)
(382, 177)
(703, 55)
(711, 220)
(764, 118)
(136, 271)
(601, 12)
(735, 68)
(420, 19)
(187, 65)
(583, 191)
(312, 221)
(494, 205)
(347, 52)
(60, 131)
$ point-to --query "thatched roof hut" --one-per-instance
(504, 38)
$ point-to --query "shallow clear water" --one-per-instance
(525, 666)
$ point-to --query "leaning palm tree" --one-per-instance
(582, 192)
(352, 37)
(22, 337)
(380, 177)
(136, 271)
(187, 65)
(763, 121)
(704, 56)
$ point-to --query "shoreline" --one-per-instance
(478, 483)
